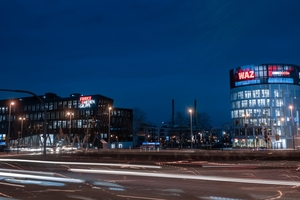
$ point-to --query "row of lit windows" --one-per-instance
(248, 94)
(259, 121)
(254, 131)
(256, 103)
(256, 113)
(49, 106)
(77, 123)
(40, 107)
(63, 114)
(50, 115)
(265, 112)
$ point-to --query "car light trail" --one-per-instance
(26, 171)
(39, 182)
(15, 175)
(134, 197)
(80, 163)
(13, 185)
(193, 177)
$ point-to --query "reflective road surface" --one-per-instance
(39, 179)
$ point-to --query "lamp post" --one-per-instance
(282, 132)
(246, 115)
(22, 119)
(70, 114)
(292, 118)
(20, 134)
(109, 124)
(223, 133)
(190, 111)
(8, 131)
(117, 141)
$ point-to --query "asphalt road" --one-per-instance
(148, 180)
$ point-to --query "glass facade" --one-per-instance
(265, 105)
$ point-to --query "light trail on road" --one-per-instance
(26, 171)
(49, 178)
(193, 177)
(80, 163)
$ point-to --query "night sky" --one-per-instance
(143, 53)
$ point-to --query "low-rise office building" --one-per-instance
(77, 120)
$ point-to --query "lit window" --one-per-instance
(264, 93)
(252, 103)
(277, 112)
(238, 104)
(244, 103)
(279, 102)
(276, 93)
(240, 95)
(241, 113)
(247, 94)
(256, 93)
(261, 102)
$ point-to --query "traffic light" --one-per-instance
(265, 135)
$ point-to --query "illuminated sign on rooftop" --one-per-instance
(86, 102)
(280, 73)
(243, 75)
(264, 74)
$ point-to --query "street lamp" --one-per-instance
(190, 111)
(20, 134)
(9, 116)
(109, 109)
(70, 114)
(292, 118)
(223, 133)
(246, 115)
(117, 141)
(22, 119)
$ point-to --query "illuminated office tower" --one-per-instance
(265, 105)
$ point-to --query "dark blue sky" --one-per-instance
(144, 53)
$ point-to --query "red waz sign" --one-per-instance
(244, 75)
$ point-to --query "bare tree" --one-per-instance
(203, 121)
(181, 119)
(139, 118)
